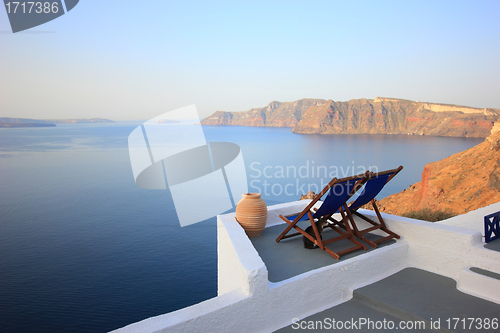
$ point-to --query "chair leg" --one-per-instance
(359, 234)
(330, 252)
(347, 234)
(290, 226)
(382, 222)
(318, 241)
(381, 225)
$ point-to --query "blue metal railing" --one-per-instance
(491, 227)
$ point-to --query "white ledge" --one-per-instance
(445, 248)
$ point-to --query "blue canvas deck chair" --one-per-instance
(372, 187)
(337, 191)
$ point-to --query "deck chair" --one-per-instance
(337, 191)
(372, 187)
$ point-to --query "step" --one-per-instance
(480, 282)
(414, 293)
(360, 316)
(398, 313)
(411, 295)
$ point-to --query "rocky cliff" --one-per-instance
(276, 114)
(460, 183)
(366, 116)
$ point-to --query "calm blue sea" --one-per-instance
(84, 249)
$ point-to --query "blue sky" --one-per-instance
(128, 60)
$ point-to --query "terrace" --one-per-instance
(434, 273)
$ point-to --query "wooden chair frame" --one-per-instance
(342, 227)
(375, 225)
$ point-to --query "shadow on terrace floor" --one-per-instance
(289, 258)
(493, 245)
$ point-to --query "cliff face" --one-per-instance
(396, 116)
(366, 116)
(460, 183)
(276, 114)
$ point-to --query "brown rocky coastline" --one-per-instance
(459, 183)
(365, 116)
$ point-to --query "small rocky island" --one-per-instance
(25, 122)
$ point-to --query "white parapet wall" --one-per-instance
(473, 220)
(248, 302)
(441, 248)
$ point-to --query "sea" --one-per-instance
(84, 249)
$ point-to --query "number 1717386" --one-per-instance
(472, 323)
(16, 7)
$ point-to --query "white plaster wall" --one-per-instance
(440, 248)
(238, 263)
(248, 302)
(196, 318)
(273, 305)
(303, 293)
(473, 220)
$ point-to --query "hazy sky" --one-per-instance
(137, 59)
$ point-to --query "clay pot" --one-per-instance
(251, 214)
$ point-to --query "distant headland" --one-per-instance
(25, 122)
(366, 116)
